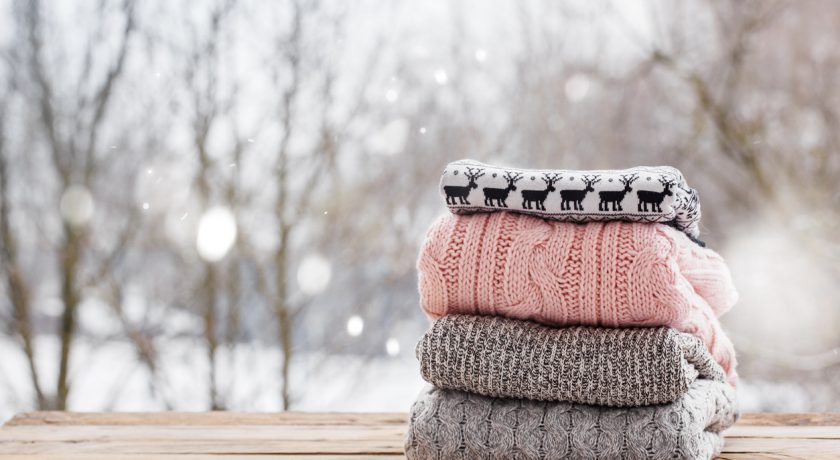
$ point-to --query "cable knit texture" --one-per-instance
(614, 274)
(508, 358)
(454, 424)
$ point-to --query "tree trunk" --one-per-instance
(69, 261)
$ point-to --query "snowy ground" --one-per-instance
(108, 377)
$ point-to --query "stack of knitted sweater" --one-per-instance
(582, 325)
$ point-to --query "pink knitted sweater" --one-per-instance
(614, 274)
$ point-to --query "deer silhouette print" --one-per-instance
(615, 197)
(654, 199)
(499, 195)
(575, 197)
(461, 193)
(530, 197)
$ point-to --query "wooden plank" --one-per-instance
(316, 432)
(767, 455)
(314, 418)
(725, 456)
(194, 457)
(207, 418)
(190, 446)
(227, 435)
(790, 419)
(198, 433)
(384, 439)
(788, 446)
(798, 432)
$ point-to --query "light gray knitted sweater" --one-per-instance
(501, 357)
(449, 424)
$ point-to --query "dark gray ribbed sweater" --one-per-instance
(453, 424)
(502, 357)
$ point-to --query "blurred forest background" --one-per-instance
(218, 205)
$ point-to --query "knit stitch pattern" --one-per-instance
(614, 274)
(452, 424)
(637, 194)
(508, 358)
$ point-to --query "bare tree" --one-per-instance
(74, 160)
(17, 287)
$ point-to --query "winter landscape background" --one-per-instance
(218, 205)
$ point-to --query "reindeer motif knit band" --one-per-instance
(508, 358)
(455, 424)
(641, 194)
(614, 274)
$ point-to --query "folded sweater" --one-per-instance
(614, 274)
(509, 358)
(455, 424)
(640, 194)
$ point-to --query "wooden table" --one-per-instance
(228, 435)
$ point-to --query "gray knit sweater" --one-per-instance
(452, 424)
(502, 357)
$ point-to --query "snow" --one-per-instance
(108, 377)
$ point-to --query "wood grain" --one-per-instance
(197, 457)
(207, 418)
(289, 435)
